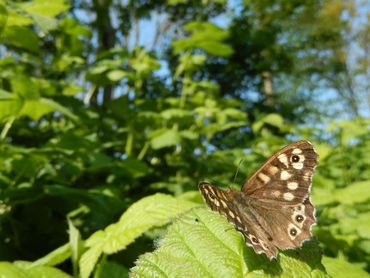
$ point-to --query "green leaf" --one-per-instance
(35, 109)
(341, 269)
(45, 7)
(208, 246)
(165, 138)
(206, 36)
(75, 244)
(354, 193)
(350, 129)
(116, 75)
(21, 37)
(175, 113)
(55, 257)
(215, 48)
(24, 269)
(3, 17)
(358, 224)
(41, 271)
(9, 270)
(89, 259)
(271, 119)
(25, 88)
(155, 210)
(10, 105)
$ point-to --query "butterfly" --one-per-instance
(273, 209)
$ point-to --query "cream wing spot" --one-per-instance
(288, 196)
(283, 159)
(223, 203)
(265, 179)
(292, 185)
(232, 215)
(276, 193)
(238, 219)
(297, 165)
(223, 194)
(297, 151)
(272, 170)
(285, 175)
(211, 190)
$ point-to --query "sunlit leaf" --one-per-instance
(149, 212)
(208, 246)
(165, 138)
(340, 269)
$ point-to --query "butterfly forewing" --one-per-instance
(273, 209)
(227, 203)
(286, 177)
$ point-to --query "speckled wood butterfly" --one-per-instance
(273, 208)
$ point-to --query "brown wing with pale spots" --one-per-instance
(224, 203)
(273, 209)
(286, 177)
(289, 226)
(220, 201)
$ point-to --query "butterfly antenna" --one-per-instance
(237, 169)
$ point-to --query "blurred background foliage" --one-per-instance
(103, 103)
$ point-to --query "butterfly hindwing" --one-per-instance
(288, 226)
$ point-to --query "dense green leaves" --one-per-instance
(149, 212)
(112, 110)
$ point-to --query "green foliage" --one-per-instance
(151, 211)
(339, 268)
(205, 36)
(103, 139)
(206, 245)
(24, 269)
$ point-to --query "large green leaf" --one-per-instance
(21, 37)
(149, 212)
(341, 269)
(206, 245)
(26, 270)
(354, 193)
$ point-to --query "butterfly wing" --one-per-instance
(226, 203)
(273, 209)
(286, 177)
(287, 226)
